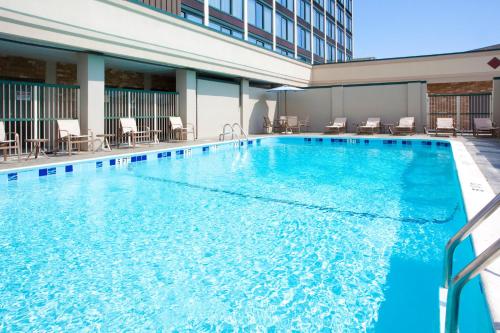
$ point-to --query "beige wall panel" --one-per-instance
(260, 103)
(313, 102)
(389, 102)
(218, 104)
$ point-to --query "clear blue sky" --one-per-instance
(394, 28)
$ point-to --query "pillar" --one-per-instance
(245, 111)
(185, 81)
(417, 106)
(91, 81)
(496, 100)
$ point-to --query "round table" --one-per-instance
(37, 144)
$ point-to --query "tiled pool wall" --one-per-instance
(97, 164)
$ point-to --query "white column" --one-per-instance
(91, 81)
(206, 14)
(312, 31)
(295, 30)
(245, 110)
(245, 19)
(352, 28)
(345, 33)
(274, 25)
(335, 34)
(51, 72)
(185, 81)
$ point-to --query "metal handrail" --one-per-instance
(241, 130)
(461, 279)
(462, 234)
(222, 136)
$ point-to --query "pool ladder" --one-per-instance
(452, 287)
(233, 133)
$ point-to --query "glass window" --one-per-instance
(348, 20)
(192, 17)
(319, 20)
(304, 10)
(231, 7)
(340, 55)
(349, 42)
(340, 15)
(304, 59)
(319, 46)
(330, 53)
(260, 15)
(286, 3)
(284, 28)
(285, 52)
(260, 42)
(330, 28)
(348, 58)
(320, 2)
(340, 36)
(330, 8)
(303, 38)
(349, 5)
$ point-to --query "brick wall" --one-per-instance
(460, 87)
(162, 83)
(18, 68)
(124, 79)
(66, 74)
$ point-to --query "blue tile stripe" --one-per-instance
(12, 176)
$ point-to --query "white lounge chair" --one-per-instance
(292, 123)
(406, 126)
(484, 126)
(337, 126)
(271, 126)
(180, 132)
(445, 126)
(6, 144)
(371, 126)
(69, 133)
(128, 129)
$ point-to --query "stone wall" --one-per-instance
(18, 68)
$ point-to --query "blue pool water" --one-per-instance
(285, 235)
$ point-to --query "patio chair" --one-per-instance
(484, 126)
(445, 126)
(69, 133)
(371, 126)
(271, 126)
(292, 123)
(128, 129)
(406, 126)
(305, 123)
(6, 144)
(337, 126)
(180, 132)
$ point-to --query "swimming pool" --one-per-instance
(305, 234)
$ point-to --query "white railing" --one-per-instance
(149, 108)
(31, 109)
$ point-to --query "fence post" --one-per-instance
(458, 114)
(35, 112)
(129, 104)
(155, 117)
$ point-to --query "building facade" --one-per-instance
(312, 31)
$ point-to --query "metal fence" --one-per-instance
(31, 109)
(462, 108)
(149, 108)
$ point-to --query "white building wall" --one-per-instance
(218, 104)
